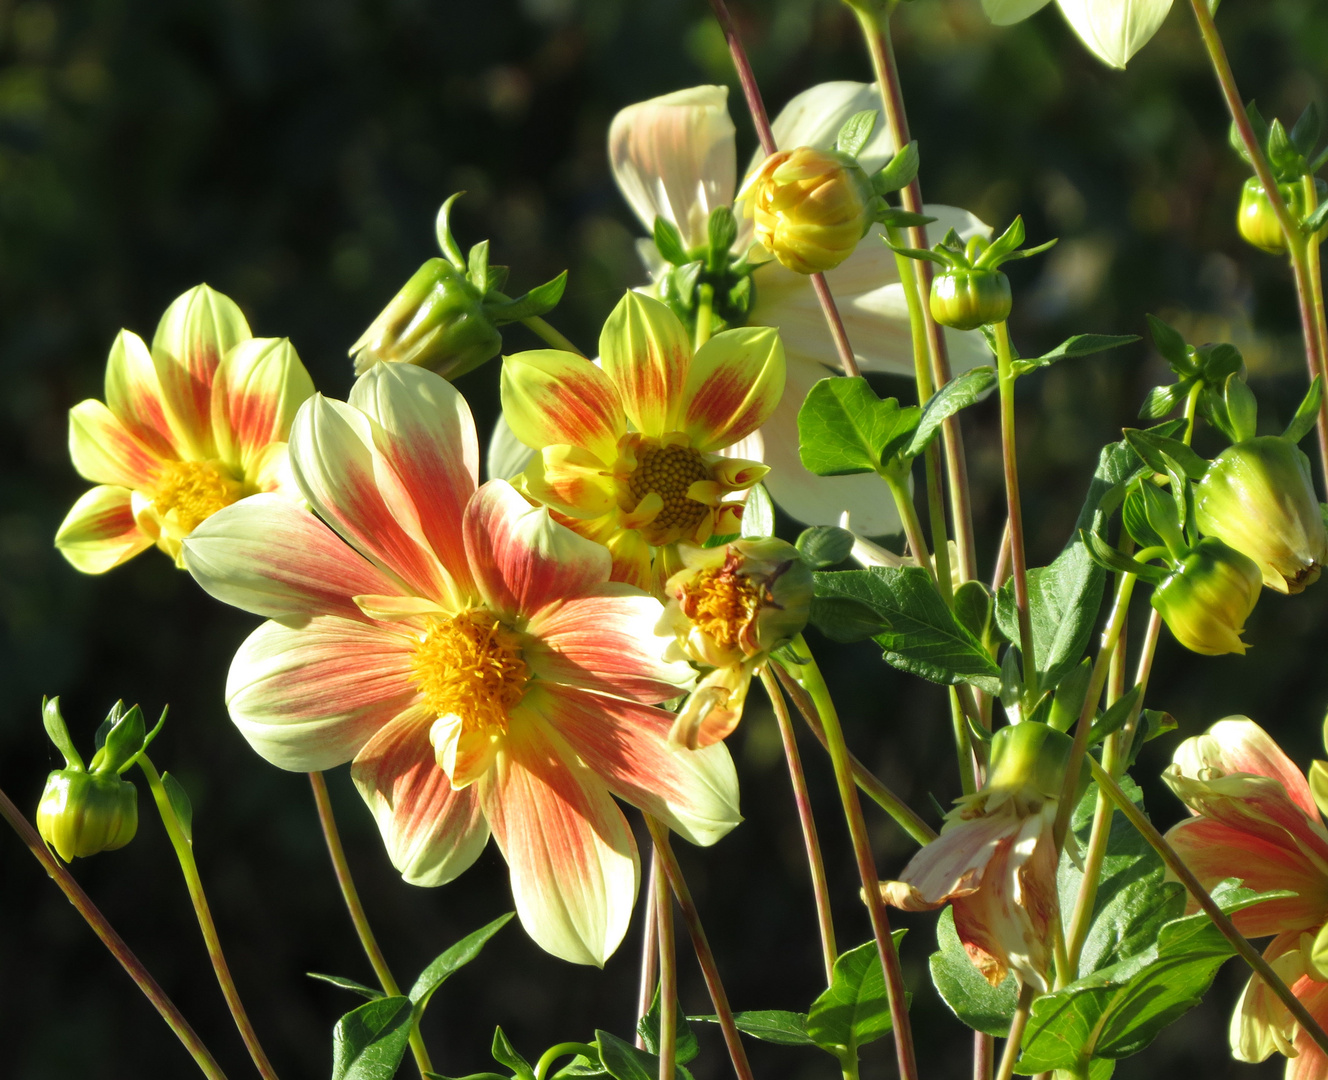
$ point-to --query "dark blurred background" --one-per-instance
(293, 154)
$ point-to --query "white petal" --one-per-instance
(507, 456)
(673, 157)
(814, 118)
(1114, 30)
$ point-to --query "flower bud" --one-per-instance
(1028, 759)
(1256, 220)
(1207, 600)
(966, 299)
(437, 321)
(82, 813)
(1257, 497)
(811, 207)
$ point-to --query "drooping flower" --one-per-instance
(1112, 30)
(725, 610)
(194, 424)
(674, 157)
(995, 860)
(627, 454)
(467, 653)
(1207, 598)
(1256, 818)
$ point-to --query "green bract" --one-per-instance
(967, 299)
(1258, 222)
(83, 813)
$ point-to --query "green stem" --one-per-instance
(668, 976)
(1018, 562)
(649, 950)
(358, 917)
(917, 543)
(802, 798)
(550, 335)
(701, 944)
(114, 942)
(808, 676)
(704, 312)
(1176, 865)
(872, 786)
(567, 1049)
(184, 852)
(1018, 1023)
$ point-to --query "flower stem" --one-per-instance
(184, 852)
(1311, 315)
(908, 514)
(872, 786)
(801, 797)
(701, 944)
(1018, 1023)
(357, 915)
(1176, 865)
(668, 973)
(808, 676)
(567, 1049)
(761, 121)
(703, 314)
(113, 941)
(649, 949)
(550, 335)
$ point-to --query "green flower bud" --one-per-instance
(967, 299)
(437, 321)
(1028, 758)
(1208, 598)
(1256, 220)
(1257, 497)
(810, 207)
(82, 813)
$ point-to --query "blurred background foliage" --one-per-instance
(293, 154)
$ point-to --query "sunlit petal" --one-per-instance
(134, 394)
(552, 397)
(258, 387)
(733, 385)
(813, 118)
(100, 531)
(646, 352)
(106, 452)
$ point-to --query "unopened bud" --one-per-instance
(82, 813)
(811, 207)
(1208, 598)
(437, 320)
(1257, 496)
(966, 299)
(1028, 758)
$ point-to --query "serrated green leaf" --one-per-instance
(920, 634)
(823, 546)
(180, 804)
(843, 427)
(347, 984)
(685, 1045)
(855, 1009)
(369, 1042)
(959, 393)
(770, 1025)
(855, 132)
(758, 515)
(451, 960)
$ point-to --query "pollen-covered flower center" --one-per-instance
(669, 471)
(722, 604)
(470, 666)
(195, 490)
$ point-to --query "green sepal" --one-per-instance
(122, 743)
(1242, 409)
(1164, 518)
(1257, 122)
(1068, 701)
(54, 723)
(451, 960)
(668, 241)
(369, 1042)
(1107, 556)
(477, 266)
(1305, 133)
(1152, 723)
(538, 301)
(1287, 162)
(1318, 217)
(855, 132)
(899, 171)
(824, 546)
(918, 253)
(505, 1054)
(1166, 455)
(1307, 413)
(443, 230)
(1003, 246)
(1115, 717)
(894, 218)
(180, 805)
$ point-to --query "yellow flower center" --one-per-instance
(195, 490)
(721, 604)
(470, 666)
(668, 471)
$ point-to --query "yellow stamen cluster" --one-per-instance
(195, 490)
(470, 665)
(669, 471)
(722, 604)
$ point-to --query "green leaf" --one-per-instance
(758, 516)
(1305, 134)
(54, 723)
(1307, 414)
(539, 301)
(902, 219)
(122, 741)
(1172, 346)
(685, 1045)
(1079, 345)
(843, 427)
(624, 1061)
(1317, 217)
(1152, 723)
(899, 171)
(668, 240)
(854, 1010)
(824, 546)
(368, 1043)
(347, 984)
(975, 1001)
(770, 1025)
(505, 1054)
(468, 1076)
(1163, 454)
(1162, 400)
(973, 608)
(857, 129)
(449, 961)
(1114, 718)
(180, 804)
(959, 393)
(919, 633)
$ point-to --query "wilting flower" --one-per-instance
(1256, 819)
(1113, 30)
(1207, 598)
(662, 481)
(674, 157)
(466, 652)
(192, 425)
(995, 860)
(726, 609)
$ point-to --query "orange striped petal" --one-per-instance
(426, 432)
(953, 864)
(606, 642)
(571, 480)
(134, 394)
(521, 558)
(308, 698)
(552, 397)
(197, 330)
(1239, 745)
(646, 351)
(100, 532)
(1310, 1063)
(571, 855)
(733, 385)
(432, 831)
(631, 559)
(104, 451)
(259, 386)
(266, 555)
